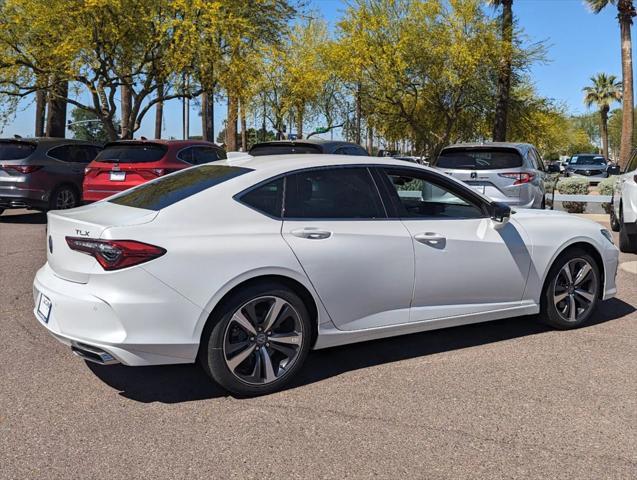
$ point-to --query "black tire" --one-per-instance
(1, 211)
(556, 314)
(627, 243)
(222, 326)
(63, 197)
(614, 223)
(543, 205)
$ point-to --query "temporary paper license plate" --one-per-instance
(44, 308)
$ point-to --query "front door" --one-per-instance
(464, 266)
(360, 263)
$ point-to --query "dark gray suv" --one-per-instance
(43, 173)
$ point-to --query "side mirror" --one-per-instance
(500, 213)
(554, 168)
(614, 170)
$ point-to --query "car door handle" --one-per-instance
(431, 238)
(311, 233)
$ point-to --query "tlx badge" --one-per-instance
(82, 233)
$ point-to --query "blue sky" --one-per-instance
(580, 44)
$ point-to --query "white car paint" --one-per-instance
(368, 279)
(625, 192)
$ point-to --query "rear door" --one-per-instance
(361, 264)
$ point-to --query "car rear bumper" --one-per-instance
(135, 319)
(94, 195)
(23, 197)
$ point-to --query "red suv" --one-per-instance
(126, 163)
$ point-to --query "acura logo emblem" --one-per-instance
(50, 244)
(474, 174)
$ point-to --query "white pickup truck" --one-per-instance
(623, 215)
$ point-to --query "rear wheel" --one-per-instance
(258, 341)
(63, 197)
(627, 243)
(1, 211)
(571, 291)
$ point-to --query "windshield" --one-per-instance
(165, 191)
(283, 149)
(478, 159)
(588, 160)
(15, 150)
(132, 153)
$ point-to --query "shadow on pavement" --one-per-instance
(32, 218)
(181, 383)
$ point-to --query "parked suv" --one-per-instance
(43, 173)
(127, 163)
(623, 214)
(591, 166)
(512, 173)
(283, 147)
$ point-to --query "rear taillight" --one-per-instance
(159, 171)
(88, 170)
(519, 178)
(21, 168)
(115, 254)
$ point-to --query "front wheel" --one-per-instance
(258, 341)
(572, 290)
(614, 223)
(627, 243)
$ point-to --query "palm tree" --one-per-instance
(626, 12)
(504, 75)
(604, 91)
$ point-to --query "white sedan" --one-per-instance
(623, 212)
(247, 264)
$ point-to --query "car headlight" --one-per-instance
(608, 235)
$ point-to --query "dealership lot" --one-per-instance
(499, 400)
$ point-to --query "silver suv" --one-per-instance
(43, 173)
(512, 173)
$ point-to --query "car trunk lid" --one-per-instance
(85, 222)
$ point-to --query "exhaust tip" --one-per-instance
(93, 354)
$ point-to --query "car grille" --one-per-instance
(589, 172)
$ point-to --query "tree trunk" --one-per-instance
(244, 132)
(504, 75)
(40, 112)
(603, 113)
(299, 122)
(207, 116)
(126, 105)
(625, 22)
(359, 110)
(370, 140)
(159, 111)
(231, 125)
(56, 106)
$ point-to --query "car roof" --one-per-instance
(163, 141)
(49, 141)
(278, 164)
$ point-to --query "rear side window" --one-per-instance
(132, 153)
(171, 189)
(73, 153)
(479, 159)
(266, 198)
(332, 193)
(16, 150)
(283, 149)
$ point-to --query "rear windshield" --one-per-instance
(16, 150)
(165, 191)
(284, 149)
(479, 159)
(588, 160)
(136, 153)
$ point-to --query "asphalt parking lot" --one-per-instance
(507, 399)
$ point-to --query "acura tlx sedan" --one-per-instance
(245, 265)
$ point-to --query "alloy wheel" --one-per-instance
(65, 198)
(262, 340)
(575, 290)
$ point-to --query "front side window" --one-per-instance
(171, 189)
(334, 193)
(632, 165)
(418, 197)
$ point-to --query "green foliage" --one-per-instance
(606, 186)
(89, 127)
(573, 186)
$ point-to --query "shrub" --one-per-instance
(573, 186)
(606, 187)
